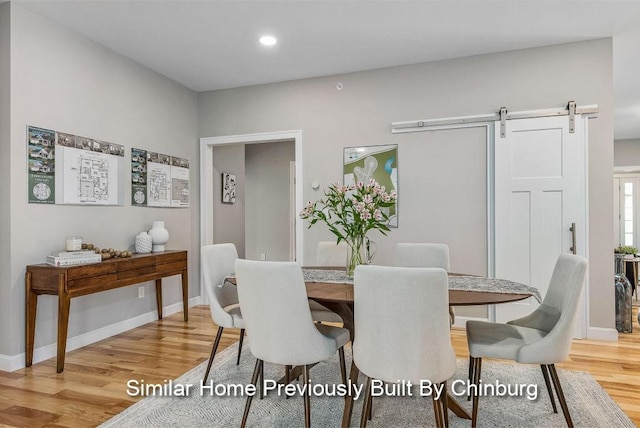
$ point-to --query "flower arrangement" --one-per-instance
(350, 211)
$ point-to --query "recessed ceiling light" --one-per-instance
(268, 40)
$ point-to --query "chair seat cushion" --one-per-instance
(339, 334)
(320, 313)
(495, 340)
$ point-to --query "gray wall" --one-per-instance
(361, 113)
(267, 199)
(5, 176)
(64, 82)
(229, 219)
(627, 153)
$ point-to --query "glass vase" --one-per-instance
(355, 254)
(624, 315)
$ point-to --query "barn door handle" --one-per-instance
(573, 248)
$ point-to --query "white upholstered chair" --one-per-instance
(278, 320)
(218, 262)
(402, 329)
(543, 337)
(424, 255)
(329, 253)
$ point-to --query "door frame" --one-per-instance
(206, 182)
(620, 172)
(489, 131)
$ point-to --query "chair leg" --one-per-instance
(254, 381)
(367, 402)
(477, 368)
(262, 381)
(470, 374)
(307, 400)
(445, 404)
(213, 353)
(343, 365)
(563, 401)
(440, 407)
(437, 411)
(240, 346)
(370, 412)
(348, 403)
(287, 378)
(545, 374)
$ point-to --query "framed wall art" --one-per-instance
(378, 162)
(228, 188)
(69, 169)
(158, 180)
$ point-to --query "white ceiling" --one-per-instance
(207, 45)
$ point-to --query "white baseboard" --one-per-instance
(10, 363)
(461, 321)
(600, 333)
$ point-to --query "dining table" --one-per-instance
(331, 287)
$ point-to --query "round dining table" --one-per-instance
(337, 295)
(332, 289)
(335, 292)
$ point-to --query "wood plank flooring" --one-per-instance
(92, 387)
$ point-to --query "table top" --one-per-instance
(331, 285)
(131, 259)
(343, 293)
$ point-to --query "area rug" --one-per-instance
(589, 404)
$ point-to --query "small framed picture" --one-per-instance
(228, 188)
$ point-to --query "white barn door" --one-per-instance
(540, 191)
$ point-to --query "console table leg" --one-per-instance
(63, 322)
(32, 303)
(185, 294)
(159, 297)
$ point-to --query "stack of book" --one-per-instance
(72, 258)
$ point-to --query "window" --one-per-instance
(628, 214)
(626, 209)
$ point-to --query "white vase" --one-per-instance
(143, 243)
(159, 236)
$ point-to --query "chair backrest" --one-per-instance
(217, 262)
(422, 255)
(275, 309)
(402, 323)
(556, 315)
(331, 254)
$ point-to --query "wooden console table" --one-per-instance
(72, 281)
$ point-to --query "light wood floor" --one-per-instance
(93, 386)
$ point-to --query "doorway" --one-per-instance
(625, 209)
(267, 197)
(207, 179)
